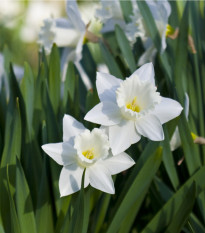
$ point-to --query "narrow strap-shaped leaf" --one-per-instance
(14, 218)
(183, 212)
(54, 78)
(27, 88)
(181, 54)
(168, 161)
(125, 48)
(141, 183)
(44, 216)
(150, 23)
(77, 220)
(24, 205)
(192, 158)
(126, 7)
(165, 215)
(110, 62)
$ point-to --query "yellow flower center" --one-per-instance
(133, 105)
(89, 154)
(169, 30)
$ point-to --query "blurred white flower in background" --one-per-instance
(84, 149)
(160, 11)
(70, 33)
(9, 11)
(132, 108)
(35, 13)
(110, 14)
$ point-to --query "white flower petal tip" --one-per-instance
(167, 110)
(70, 180)
(119, 163)
(175, 141)
(71, 128)
(145, 73)
(88, 150)
(150, 127)
(100, 178)
(105, 113)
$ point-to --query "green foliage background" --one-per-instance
(156, 195)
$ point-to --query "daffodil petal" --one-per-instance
(74, 14)
(100, 178)
(62, 153)
(145, 73)
(106, 86)
(109, 26)
(105, 113)
(118, 163)
(122, 136)
(70, 179)
(63, 23)
(148, 55)
(175, 141)
(167, 110)
(149, 126)
(71, 128)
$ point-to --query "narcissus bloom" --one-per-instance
(69, 33)
(160, 11)
(110, 14)
(83, 149)
(132, 108)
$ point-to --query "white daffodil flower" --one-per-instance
(110, 14)
(160, 11)
(175, 141)
(69, 33)
(83, 149)
(132, 108)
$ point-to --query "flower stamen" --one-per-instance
(89, 154)
(133, 105)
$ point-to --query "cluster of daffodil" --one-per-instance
(72, 32)
(128, 110)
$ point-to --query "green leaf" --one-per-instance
(150, 23)
(110, 62)
(165, 194)
(12, 138)
(69, 87)
(78, 224)
(183, 212)
(100, 212)
(165, 215)
(27, 88)
(141, 184)
(54, 78)
(192, 158)
(168, 161)
(181, 54)
(44, 216)
(125, 48)
(14, 218)
(126, 7)
(24, 205)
